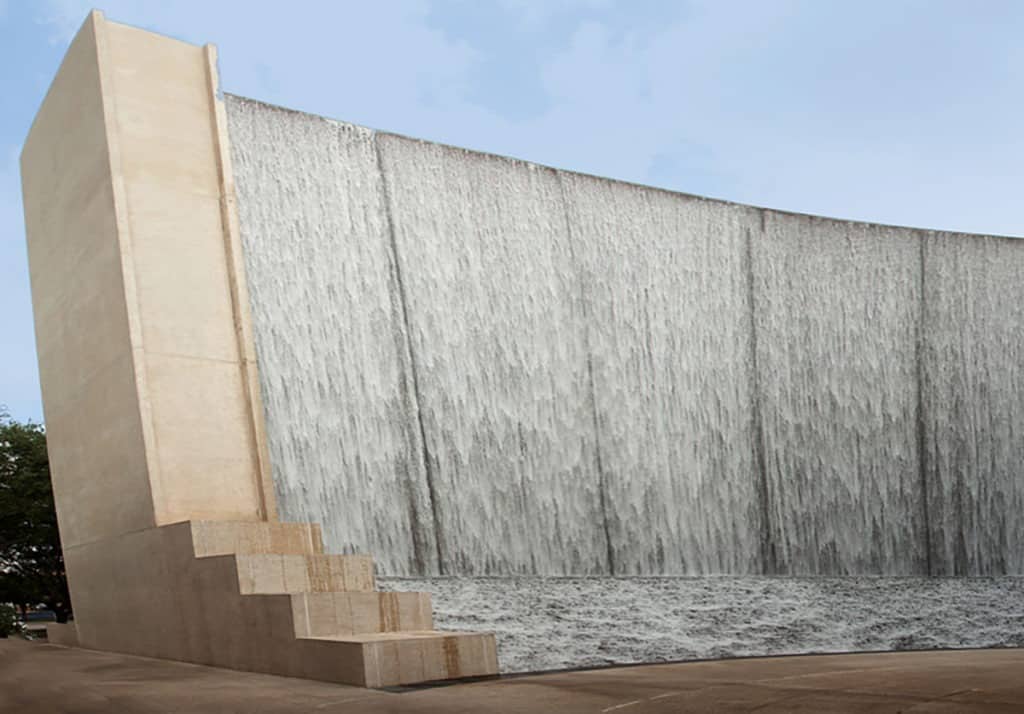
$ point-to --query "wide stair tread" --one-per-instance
(324, 606)
(417, 656)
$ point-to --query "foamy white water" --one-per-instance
(560, 623)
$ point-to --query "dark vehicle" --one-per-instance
(35, 621)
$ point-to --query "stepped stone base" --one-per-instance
(261, 597)
(161, 474)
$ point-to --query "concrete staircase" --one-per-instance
(263, 596)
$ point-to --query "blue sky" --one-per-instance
(902, 111)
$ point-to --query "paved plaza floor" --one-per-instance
(37, 677)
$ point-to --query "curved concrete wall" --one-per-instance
(472, 364)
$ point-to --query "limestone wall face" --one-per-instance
(472, 364)
(140, 323)
(158, 454)
(87, 368)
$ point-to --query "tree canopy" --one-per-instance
(31, 561)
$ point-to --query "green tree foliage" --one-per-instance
(31, 561)
(8, 621)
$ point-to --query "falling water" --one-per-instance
(973, 367)
(477, 365)
(837, 308)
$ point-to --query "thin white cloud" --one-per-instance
(535, 13)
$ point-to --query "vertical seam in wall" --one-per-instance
(305, 611)
(231, 242)
(127, 262)
(309, 539)
(602, 478)
(922, 451)
(769, 564)
(411, 358)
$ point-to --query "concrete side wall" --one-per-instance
(205, 455)
(140, 315)
(99, 454)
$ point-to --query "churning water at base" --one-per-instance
(474, 365)
(560, 623)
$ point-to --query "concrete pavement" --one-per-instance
(36, 677)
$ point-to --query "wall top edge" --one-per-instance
(782, 213)
(92, 23)
(88, 25)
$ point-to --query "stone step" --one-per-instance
(271, 573)
(399, 658)
(198, 609)
(210, 538)
(357, 613)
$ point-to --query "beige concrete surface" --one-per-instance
(141, 314)
(155, 426)
(88, 371)
(277, 573)
(262, 597)
(64, 634)
(49, 679)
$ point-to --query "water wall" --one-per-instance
(475, 365)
